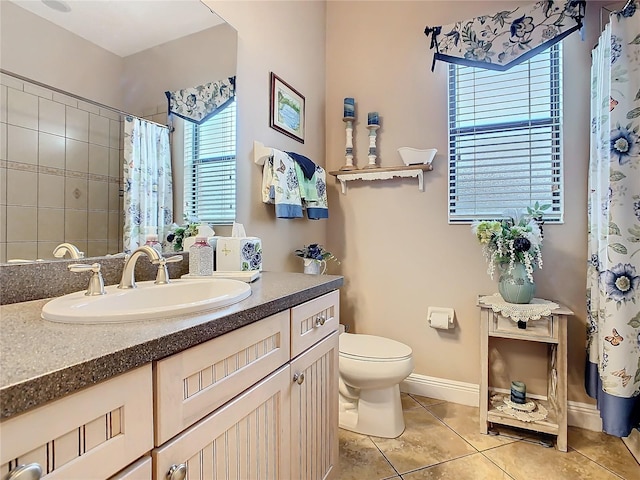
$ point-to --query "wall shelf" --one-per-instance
(382, 173)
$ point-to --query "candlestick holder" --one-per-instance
(348, 121)
(372, 146)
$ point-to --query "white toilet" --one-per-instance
(371, 369)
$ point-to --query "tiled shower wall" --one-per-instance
(60, 173)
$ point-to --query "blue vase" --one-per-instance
(515, 286)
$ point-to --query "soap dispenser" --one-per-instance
(151, 239)
(201, 258)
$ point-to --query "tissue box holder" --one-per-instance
(238, 254)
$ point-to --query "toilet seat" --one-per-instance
(371, 348)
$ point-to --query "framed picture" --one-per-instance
(286, 109)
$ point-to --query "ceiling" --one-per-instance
(125, 27)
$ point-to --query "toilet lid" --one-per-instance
(371, 347)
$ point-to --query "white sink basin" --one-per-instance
(146, 302)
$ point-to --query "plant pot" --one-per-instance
(515, 286)
(314, 267)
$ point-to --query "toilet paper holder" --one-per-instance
(440, 317)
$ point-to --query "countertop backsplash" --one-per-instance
(33, 281)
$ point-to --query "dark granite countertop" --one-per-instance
(42, 361)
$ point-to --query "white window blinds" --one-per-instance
(210, 168)
(505, 139)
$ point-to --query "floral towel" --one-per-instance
(508, 37)
(280, 185)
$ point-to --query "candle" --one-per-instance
(349, 107)
(373, 118)
(518, 392)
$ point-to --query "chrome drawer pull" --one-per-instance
(320, 320)
(30, 471)
(177, 472)
(298, 378)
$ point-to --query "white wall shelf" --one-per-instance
(382, 173)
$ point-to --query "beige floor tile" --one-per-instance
(408, 402)
(466, 422)
(426, 401)
(425, 442)
(471, 467)
(360, 459)
(605, 450)
(525, 461)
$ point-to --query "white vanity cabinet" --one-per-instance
(90, 434)
(284, 427)
(259, 402)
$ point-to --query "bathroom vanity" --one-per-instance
(248, 391)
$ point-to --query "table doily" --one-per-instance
(519, 312)
(540, 412)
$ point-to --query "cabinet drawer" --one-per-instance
(141, 470)
(544, 329)
(314, 320)
(93, 433)
(248, 438)
(193, 383)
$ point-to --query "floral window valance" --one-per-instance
(198, 104)
(507, 38)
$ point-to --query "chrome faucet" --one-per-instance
(63, 248)
(128, 279)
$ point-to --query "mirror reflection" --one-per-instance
(62, 98)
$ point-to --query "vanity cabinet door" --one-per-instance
(93, 433)
(193, 383)
(314, 320)
(248, 438)
(314, 412)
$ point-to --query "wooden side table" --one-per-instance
(551, 330)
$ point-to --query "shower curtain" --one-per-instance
(148, 190)
(613, 279)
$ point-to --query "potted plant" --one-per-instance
(514, 246)
(315, 258)
(177, 233)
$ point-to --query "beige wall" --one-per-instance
(202, 57)
(287, 38)
(399, 254)
(40, 50)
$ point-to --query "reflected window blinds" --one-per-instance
(210, 168)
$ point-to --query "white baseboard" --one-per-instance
(442, 389)
(581, 415)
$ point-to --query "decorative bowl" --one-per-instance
(415, 156)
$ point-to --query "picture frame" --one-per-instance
(287, 109)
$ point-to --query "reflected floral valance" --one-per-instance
(507, 38)
(198, 104)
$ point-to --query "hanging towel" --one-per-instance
(313, 192)
(306, 164)
(280, 185)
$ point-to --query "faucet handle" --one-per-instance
(163, 274)
(96, 282)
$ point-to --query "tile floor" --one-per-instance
(442, 441)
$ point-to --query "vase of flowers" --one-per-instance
(177, 233)
(315, 258)
(513, 245)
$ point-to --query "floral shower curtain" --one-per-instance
(613, 290)
(148, 188)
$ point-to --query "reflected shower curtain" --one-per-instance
(148, 190)
(613, 278)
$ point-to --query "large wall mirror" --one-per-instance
(69, 70)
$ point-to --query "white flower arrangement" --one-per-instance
(516, 238)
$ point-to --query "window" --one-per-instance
(210, 168)
(505, 139)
